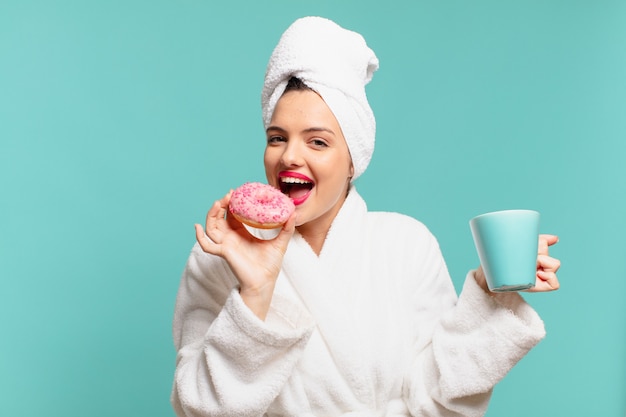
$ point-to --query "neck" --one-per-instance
(315, 231)
(314, 237)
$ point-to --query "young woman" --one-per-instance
(345, 311)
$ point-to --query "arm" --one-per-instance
(463, 348)
(486, 334)
(482, 338)
(229, 361)
(237, 341)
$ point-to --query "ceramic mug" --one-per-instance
(507, 242)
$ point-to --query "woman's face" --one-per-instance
(307, 157)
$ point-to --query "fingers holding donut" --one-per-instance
(216, 225)
(256, 205)
(205, 242)
(286, 232)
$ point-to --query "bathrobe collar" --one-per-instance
(327, 287)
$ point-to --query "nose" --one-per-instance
(292, 155)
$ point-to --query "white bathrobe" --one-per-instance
(371, 327)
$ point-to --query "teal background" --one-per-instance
(122, 121)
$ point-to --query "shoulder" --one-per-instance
(401, 232)
(385, 222)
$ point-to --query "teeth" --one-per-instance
(291, 180)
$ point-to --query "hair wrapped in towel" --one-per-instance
(337, 64)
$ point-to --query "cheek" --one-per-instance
(335, 170)
(269, 158)
(268, 162)
(342, 166)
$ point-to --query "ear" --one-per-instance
(351, 170)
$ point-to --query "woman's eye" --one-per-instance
(319, 143)
(275, 139)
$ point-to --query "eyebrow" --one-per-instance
(308, 130)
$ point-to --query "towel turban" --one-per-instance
(337, 64)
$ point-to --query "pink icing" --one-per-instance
(261, 203)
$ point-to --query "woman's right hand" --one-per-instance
(255, 262)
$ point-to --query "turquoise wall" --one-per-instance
(121, 122)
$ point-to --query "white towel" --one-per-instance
(337, 64)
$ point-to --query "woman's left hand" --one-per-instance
(546, 266)
(546, 279)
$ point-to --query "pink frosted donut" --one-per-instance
(260, 205)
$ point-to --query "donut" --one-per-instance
(260, 205)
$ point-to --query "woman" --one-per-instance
(345, 311)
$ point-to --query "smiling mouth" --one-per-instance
(296, 188)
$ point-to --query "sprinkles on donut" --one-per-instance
(260, 205)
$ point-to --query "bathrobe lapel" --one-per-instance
(328, 287)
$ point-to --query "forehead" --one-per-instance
(303, 106)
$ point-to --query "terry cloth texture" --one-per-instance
(370, 327)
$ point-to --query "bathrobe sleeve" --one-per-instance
(229, 362)
(469, 348)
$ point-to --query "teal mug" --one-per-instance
(507, 242)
